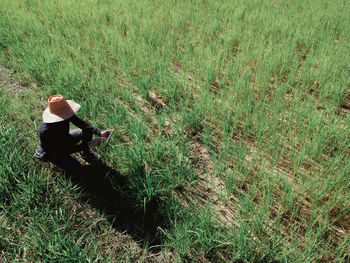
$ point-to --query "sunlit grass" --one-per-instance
(258, 84)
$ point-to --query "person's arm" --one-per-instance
(84, 125)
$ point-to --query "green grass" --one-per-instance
(252, 100)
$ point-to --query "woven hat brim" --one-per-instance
(49, 117)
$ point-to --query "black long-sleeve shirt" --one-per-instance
(54, 137)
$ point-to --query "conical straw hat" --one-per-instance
(59, 109)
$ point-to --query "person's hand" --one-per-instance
(96, 142)
(105, 133)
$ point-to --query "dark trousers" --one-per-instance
(67, 162)
(78, 135)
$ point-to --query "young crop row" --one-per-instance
(231, 118)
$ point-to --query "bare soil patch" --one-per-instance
(8, 81)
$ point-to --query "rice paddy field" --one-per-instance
(231, 122)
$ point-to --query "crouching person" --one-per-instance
(57, 142)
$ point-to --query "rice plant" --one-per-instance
(231, 122)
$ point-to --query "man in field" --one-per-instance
(57, 142)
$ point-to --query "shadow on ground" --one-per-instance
(108, 191)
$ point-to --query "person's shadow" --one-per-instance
(109, 192)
